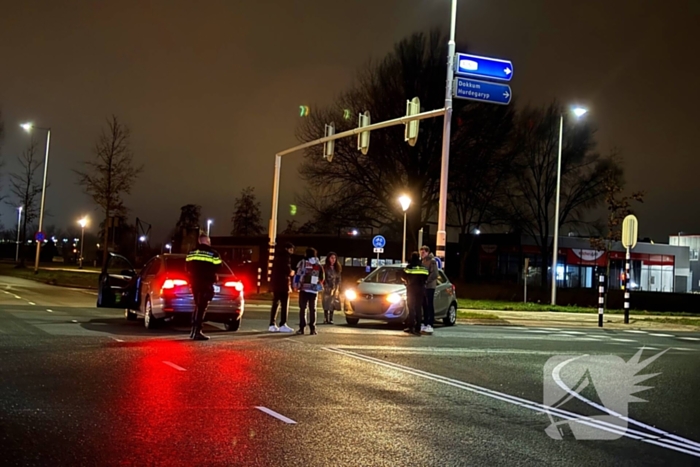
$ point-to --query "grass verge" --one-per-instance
(61, 278)
(495, 305)
(466, 314)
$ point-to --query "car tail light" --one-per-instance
(238, 285)
(454, 291)
(172, 283)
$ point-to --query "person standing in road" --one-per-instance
(331, 286)
(430, 285)
(282, 272)
(414, 276)
(202, 265)
(308, 280)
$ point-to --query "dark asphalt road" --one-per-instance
(82, 386)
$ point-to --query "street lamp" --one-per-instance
(82, 222)
(578, 112)
(142, 238)
(169, 247)
(209, 223)
(405, 203)
(28, 127)
(19, 220)
(442, 207)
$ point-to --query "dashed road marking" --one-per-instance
(31, 303)
(661, 335)
(18, 297)
(49, 310)
(683, 348)
(623, 340)
(537, 331)
(171, 364)
(118, 340)
(647, 348)
(690, 338)
(278, 416)
(74, 321)
(635, 331)
(572, 332)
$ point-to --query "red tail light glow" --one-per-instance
(238, 285)
(172, 283)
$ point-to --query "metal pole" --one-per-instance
(403, 251)
(442, 210)
(627, 286)
(82, 238)
(273, 215)
(43, 200)
(601, 299)
(19, 220)
(555, 243)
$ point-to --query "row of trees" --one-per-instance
(503, 159)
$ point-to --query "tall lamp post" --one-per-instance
(446, 130)
(19, 221)
(405, 203)
(28, 127)
(209, 223)
(82, 222)
(578, 112)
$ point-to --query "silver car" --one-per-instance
(382, 296)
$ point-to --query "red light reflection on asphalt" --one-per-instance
(201, 416)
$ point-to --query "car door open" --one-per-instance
(118, 284)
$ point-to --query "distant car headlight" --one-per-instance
(394, 298)
(350, 294)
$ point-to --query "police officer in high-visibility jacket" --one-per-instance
(414, 276)
(203, 263)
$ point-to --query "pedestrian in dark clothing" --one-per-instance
(414, 276)
(308, 280)
(430, 285)
(202, 263)
(331, 286)
(282, 272)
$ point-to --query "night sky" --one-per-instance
(211, 89)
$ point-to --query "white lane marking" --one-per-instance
(171, 364)
(635, 331)
(684, 349)
(118, 340)
(572, 332)
(647, 348)
(534, 406)
(551, 329)
(50, 311)
(8, 293)
(623, 340)
(18, 297)
(537, 331)
(589, 339)
(451, 350)
(31, 303)
(278, 416)
(661, 335)
(74, 321)
(690, 338)
(675, 440)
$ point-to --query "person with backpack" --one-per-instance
(308, 280)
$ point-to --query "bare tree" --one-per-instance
(532, 191)
(246, 217)
(25, 189)
(111, 173)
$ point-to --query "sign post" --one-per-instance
(630, 228)
(378, 242)
(526, 271)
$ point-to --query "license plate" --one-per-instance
(217, 289)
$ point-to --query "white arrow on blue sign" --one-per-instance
(483, 67)
(378, 242)
(482, 91)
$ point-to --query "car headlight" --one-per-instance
(394, 298)
(350, 294)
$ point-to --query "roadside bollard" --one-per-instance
(601, 299)
(259, 272)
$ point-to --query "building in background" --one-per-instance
(693, 244)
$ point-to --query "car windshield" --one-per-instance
(178, 264)
(385, 276)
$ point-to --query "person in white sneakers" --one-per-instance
(282, 272)
(430, 285)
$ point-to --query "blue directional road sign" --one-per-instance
(475, 90)
(39, 236)
(378, 242)
(483, 67)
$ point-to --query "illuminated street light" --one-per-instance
(209, 223)
(169, 247)
(19, 220)
(405, 202)
(82, 222)
(28, 127)
(142, 238)
(578, 112)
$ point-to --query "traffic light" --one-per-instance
(304, 110)
(346, 114)
(329, 146)
(411, 131)
(363, 138)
